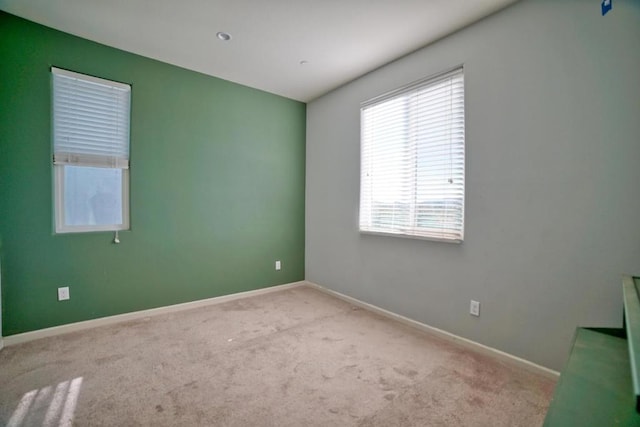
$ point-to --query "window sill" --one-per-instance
(411, 236)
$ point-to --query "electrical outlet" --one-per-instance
(474, 308)
(278, 265)
(63, 293)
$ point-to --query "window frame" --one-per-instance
(60, 226)
(409, 231)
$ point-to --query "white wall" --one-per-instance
(553, 182)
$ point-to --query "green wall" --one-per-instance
(217, 187)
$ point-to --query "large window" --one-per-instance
(90, 152)
(412, 160)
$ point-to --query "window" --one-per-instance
(90, 153)
(412, 160)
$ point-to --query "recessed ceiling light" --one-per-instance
(304, 62)
(225, 37)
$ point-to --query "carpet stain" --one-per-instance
(476, 401)
(388, 384)
(436, 401)
(43, 366)
(409, 373)
(242, 305)
(108, 359)
(284, 388)
(159, 408)
(478, 381)
(352, 350)
(178, 409)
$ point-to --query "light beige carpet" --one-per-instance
(290, 358)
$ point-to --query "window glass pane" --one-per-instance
(92, 196)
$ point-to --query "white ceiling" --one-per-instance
(340, 39)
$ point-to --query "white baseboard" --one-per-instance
(109, 320)
(87, 324)
(467, 343)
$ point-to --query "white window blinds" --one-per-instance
(412, 160)
(90, 120)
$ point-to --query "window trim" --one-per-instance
(63, 159)
(388, 96)
(415, 84)
(61, 228)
